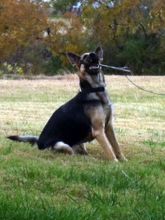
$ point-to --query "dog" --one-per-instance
(86, 117)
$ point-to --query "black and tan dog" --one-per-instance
(86, 117)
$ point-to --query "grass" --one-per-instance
(41, 185)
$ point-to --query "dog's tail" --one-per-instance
(26, 139)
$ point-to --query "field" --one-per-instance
(42, 185)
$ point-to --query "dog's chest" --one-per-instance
(107, 112)
(99, 108)
(99, 114)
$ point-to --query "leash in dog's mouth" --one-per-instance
(99, 66)
(124, 69)
(95, 67)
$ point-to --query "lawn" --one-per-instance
(42, 185)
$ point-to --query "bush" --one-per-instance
(53, 66)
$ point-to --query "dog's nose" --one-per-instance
(93, 57)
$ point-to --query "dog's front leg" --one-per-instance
(113, 141)
(103, 141)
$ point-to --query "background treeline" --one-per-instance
(35, 35)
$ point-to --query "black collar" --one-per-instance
(92, 90)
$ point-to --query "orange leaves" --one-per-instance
(21, 22)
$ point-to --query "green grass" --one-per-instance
(42, 185)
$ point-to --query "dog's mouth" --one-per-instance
(94, 67)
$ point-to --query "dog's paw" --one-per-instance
(123, 159)
(116, 160)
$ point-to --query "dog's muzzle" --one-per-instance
(94, 69)
(97, 67)
(91, 63)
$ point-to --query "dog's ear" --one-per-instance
(73, 58)
(99, 52)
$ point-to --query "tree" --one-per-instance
(21, 24)
(129, 29)
(62, 6)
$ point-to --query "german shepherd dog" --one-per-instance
(86, 117)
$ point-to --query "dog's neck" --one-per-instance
(87, 88)
(94, 93)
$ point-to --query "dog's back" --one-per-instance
(68, 124)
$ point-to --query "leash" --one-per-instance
(141, 88)
(126, 69)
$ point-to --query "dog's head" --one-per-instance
(88, 65)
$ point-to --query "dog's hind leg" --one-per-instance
(113, 141)
(80, 149)
(62, 147)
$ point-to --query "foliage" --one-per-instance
(7, 68)
(131, 33)
(21, 24)
(67, 35)
(130, 28)
(62, 6)
(53, 66)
